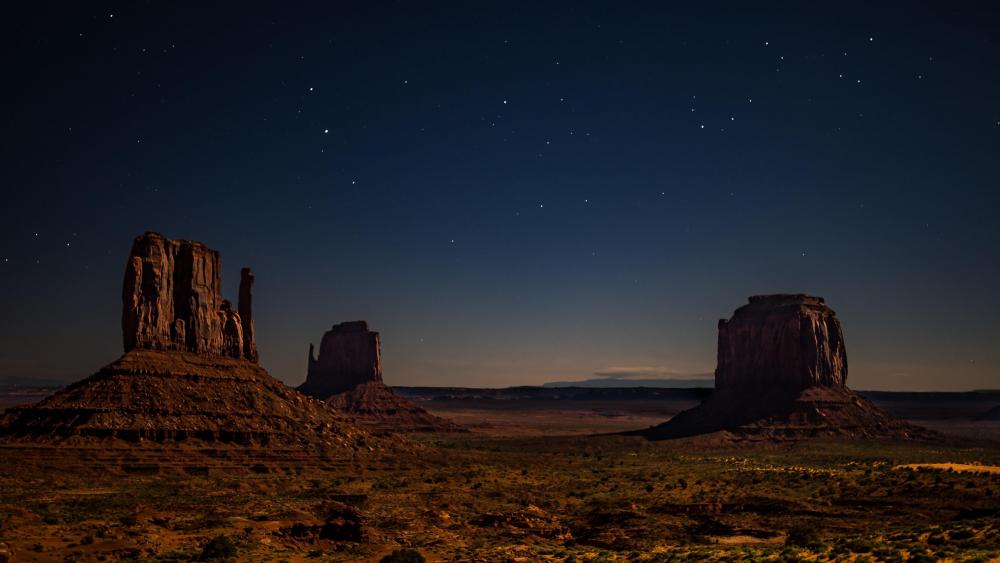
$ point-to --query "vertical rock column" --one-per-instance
(245, 310)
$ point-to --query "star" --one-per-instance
(325, 131)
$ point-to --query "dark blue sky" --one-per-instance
(513, 193)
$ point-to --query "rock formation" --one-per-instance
(782, 374)
(189, 371)
(781, 341)
(172, 300)
(348, 375)
(349, 355)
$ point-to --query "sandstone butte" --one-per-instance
(782, 374)
(348, 375)
(189, 371)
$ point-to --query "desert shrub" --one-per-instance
(219, 547)
(961, 534)
(859, 546)
(405, 555)
(802, 535)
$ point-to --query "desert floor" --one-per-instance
(526, 484)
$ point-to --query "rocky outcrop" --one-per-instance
(781, 341)
(781, 375)
(172, 300)
(348, 376)
(376, 406)
(189, 371)
(349, 355)
(172, 396)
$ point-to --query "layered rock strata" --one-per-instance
(781, 374)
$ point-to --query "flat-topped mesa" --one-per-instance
(785, 341)
(782, 376)
(172, 300)
(349, 355)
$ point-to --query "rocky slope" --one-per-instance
(782, 373)
(176, 396)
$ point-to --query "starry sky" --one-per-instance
(513, 193)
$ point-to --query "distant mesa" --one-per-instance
(189, 371)
(348, 375)
(349, 355)
(782, 374)
(609, 383)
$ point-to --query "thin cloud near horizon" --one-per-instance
(647, 372)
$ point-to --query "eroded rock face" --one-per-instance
(349, 355)
(789, 342)
(348, 376)
(189, 371)
(172, 300)
(782, 375)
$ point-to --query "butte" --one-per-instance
(189, 372)
(348, 376)
(782, 375)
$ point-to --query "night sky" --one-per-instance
(513, 193)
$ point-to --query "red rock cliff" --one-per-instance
(781, 341)
(349, 355)
(172, 300)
